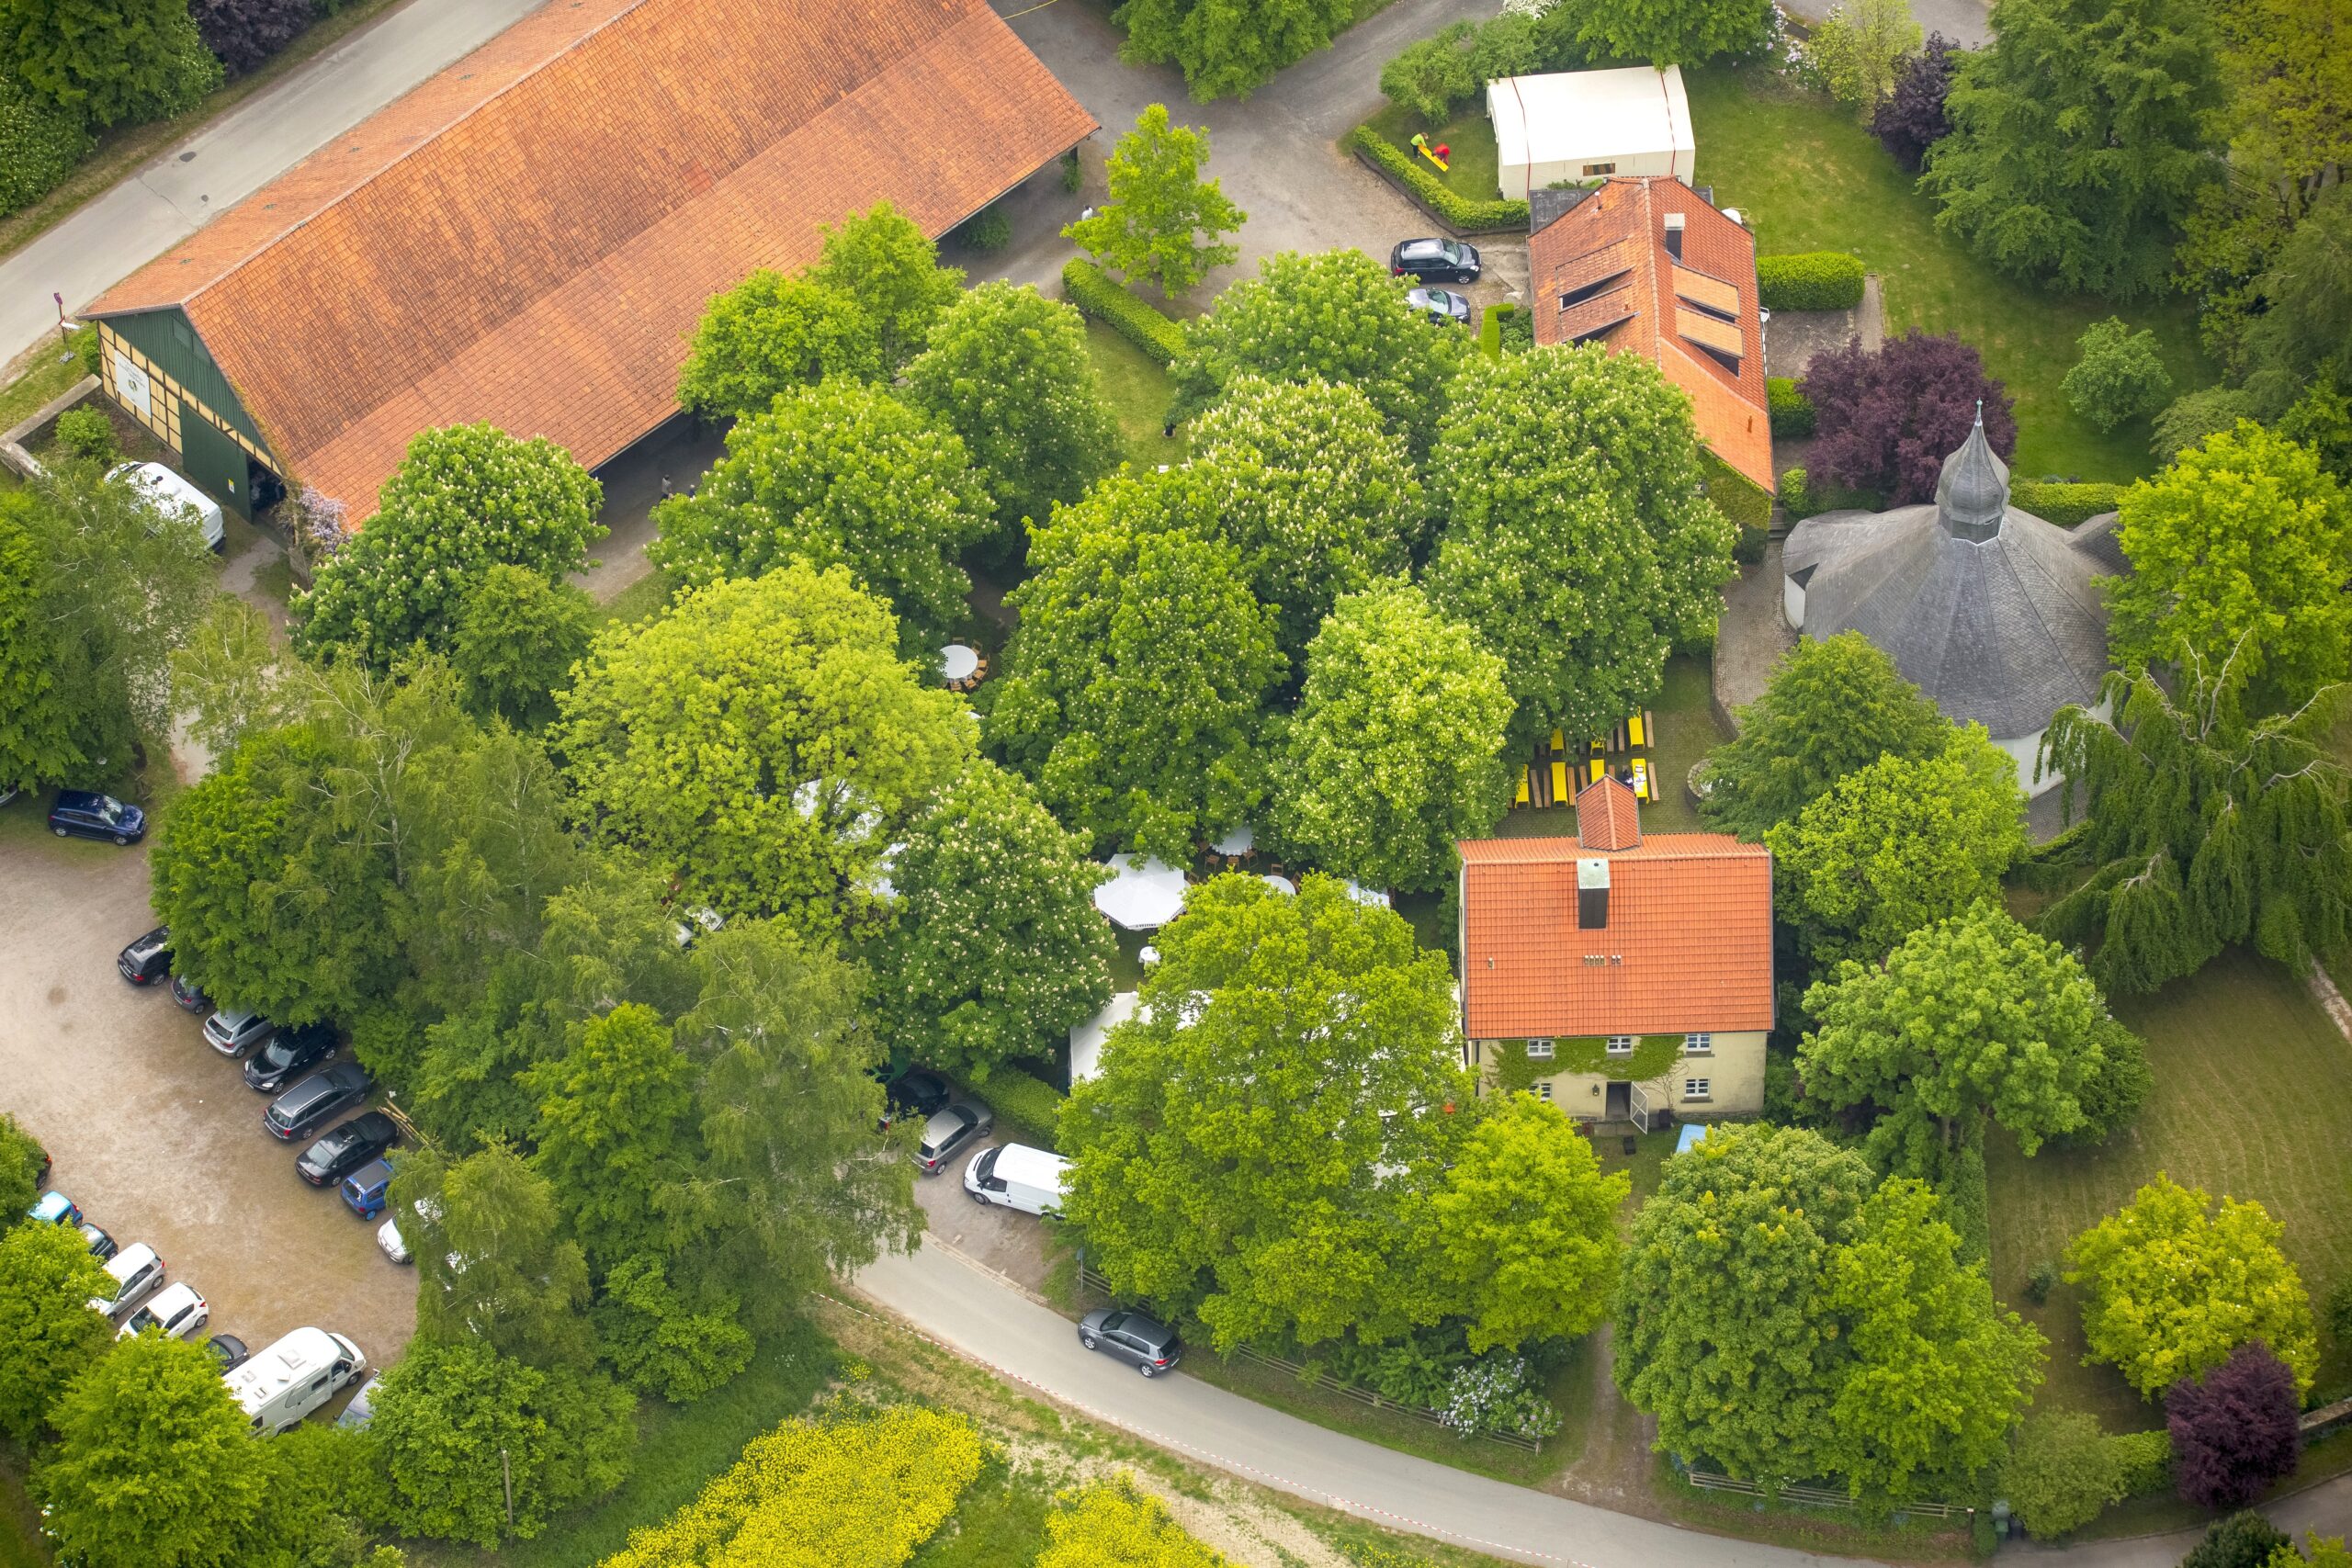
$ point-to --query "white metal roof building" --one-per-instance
(1584, 125)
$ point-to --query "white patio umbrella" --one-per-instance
(1280, 883)
(1145, 894)
(1363, 895)
(1237, 841)
(957, 662)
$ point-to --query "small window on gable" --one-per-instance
(1544, 1090)
(1539, 1050)
(1696, 1089)
(1698, 1044)
(1593, 171)
(1621, 1045)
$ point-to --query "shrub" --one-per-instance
(2058, 1473)
(88, 349)
(2235, 1428)
(2119, 376)
(987, 231)
(2065, 505)
(1490, 329)
(2189, 418)
(190, 71)
(1813, 280)
(1496, 1393)
(243, 33)
(2241, 1540)
(2041, 1281)
(2142, 1462)
(1796, 498)
(1463, 214)
(1032, 1102)
(1911, 120)
(39, 144)
(1791, 410)
(1430, 77)
(1095, 294)
(1885, 420)
(86, 433)
(1519, 332)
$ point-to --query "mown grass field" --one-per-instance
(1138, 389)
(2249, 1100)
(1808, 177)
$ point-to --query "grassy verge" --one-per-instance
(51, 373)
(647, 595)
(1473, 168)
(1832, 1532)
(1139, 395)
(1809, 178)
(120, 152)
(20, 1542)
(2242, 1057)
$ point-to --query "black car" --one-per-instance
(915, 1092)
(85, 814)
(1440, 305)
(291, 1052)
(310, 1104)
(148, 958)
(102, 1245)
(1151, 1343)
(958, 1127)
(346, 1148)
(186, 992)
(229, 1352)
(1436, 261)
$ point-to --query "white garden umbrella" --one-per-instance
(1239, 842)
(1280, 883)
(1363, 895)
(1145, 895)
(1085, 1040)
(957, 662)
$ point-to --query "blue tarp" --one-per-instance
(1691, 1132)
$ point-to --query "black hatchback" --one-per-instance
(291, 1052)
(309, 1105)
(915, 1092)
(346, 1148)
(1436, 261)
(85, 814)
(147, 959)
(1151, 1343)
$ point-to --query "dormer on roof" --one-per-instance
(1609, 815)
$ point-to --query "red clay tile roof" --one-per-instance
(1608, 814)
(1623, 222)
(529, 237)
(1688, 945)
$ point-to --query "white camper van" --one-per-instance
(285, 1383)
(174, 496)
(1017, 1177)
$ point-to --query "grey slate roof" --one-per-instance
(2004, 631)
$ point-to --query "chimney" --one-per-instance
(1674, 235)
(1592, 895)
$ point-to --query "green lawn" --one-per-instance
(2248, 1101)
(1471, 168)
(1807, 177)
(48, 377)
(638, 599)
(1137, 387)
(1684, 709)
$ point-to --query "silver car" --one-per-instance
(232, 1031)
(948, 1132)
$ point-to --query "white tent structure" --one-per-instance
(1372, 896)
(1145, 894)
(1588, 125)
(1086, 1039)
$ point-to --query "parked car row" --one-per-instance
(140, 1296)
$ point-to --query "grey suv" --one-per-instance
(312, 1104)
(958, 1127)
(1151, 1343)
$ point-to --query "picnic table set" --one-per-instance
(1559, 771)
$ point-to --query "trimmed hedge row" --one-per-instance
(1114, 304)
(39, 145)
(1812, 280)
(1031, 1101)
(1464, 215)
(1796, 496)
(1490, 329)
(2065, 505)
(1791, 410)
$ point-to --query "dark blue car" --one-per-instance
(85, 814)
(367, 1189)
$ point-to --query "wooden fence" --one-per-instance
(1820, 1497)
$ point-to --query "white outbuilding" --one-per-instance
(1588, 125)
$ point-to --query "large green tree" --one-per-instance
(1664, 32)
(2078, 140)
(1396, 750)
(1831, 708)
(2171, 1285)
(1162, 224)
(839, 474)
(1229, 47)
(760, 740)
(36, 725)
(21, 1166)
(1576, 542)
(49, 1336)
(1336, 316)
(153, 1463)
(1971, 1022)
(2207, 826)
(1008, 370)
(111, 61)
(466, 498)
(1898, 845)
(496, 1267)
(993, 947)
(1262, 1130)
(1788, 1319)
(1135, 683)
(616, 1138)
(2244, 544)
(891, 269)
(516, 639)
(1317, 496)
(769, 334)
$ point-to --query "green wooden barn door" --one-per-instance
(215, 463)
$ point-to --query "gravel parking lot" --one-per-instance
(154, 1135)
(1011, 1243)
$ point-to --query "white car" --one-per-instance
(136, 1272)
(389, 1238)
(176, 1310)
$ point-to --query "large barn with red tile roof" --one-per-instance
(529, 237)
(1625, 976)
(1649, 266)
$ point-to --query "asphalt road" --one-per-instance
(154, 1134)
(175, 196)
(980, 1317)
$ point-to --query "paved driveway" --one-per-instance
(153, 1134)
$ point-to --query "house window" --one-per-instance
(1539, 1050)
(1593, 171)
(1544, 1090)
(1699, 1045)
(1695, 1089)
(1621, 1045)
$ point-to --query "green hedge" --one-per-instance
(1790, 410)
(38, 145)
(1031, 1101)
(2142, 1462)
(1490, 329)
(1745, 503)
(1463, 214)
(1796, 497)
(1815, 280)
(2065, 505)
(1091, 288)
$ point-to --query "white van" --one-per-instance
(1018, 1177)
(168, 493)
(285, 1383)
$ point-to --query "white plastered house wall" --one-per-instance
(1581, 125)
